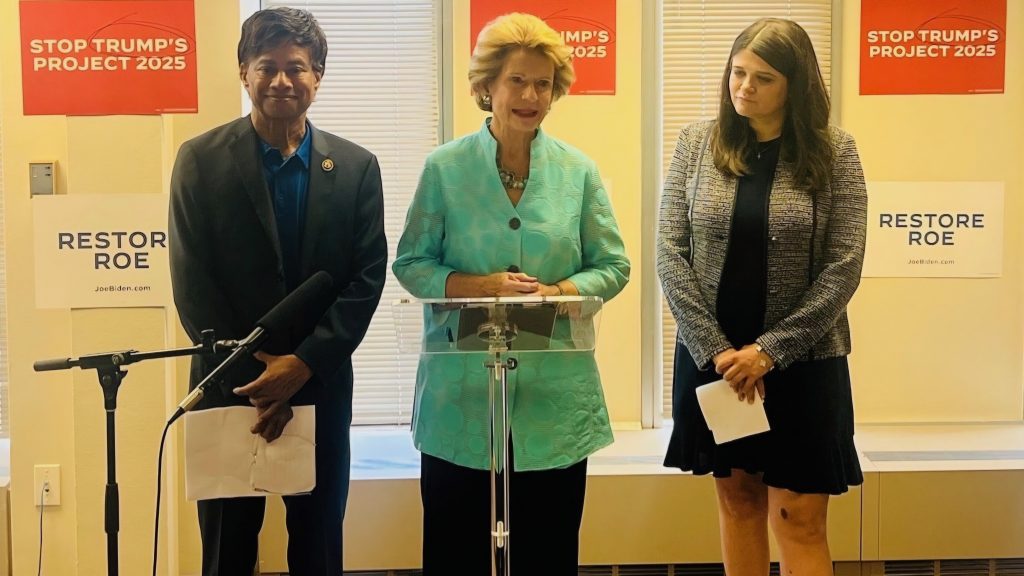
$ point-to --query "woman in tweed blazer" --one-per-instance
(761, 241)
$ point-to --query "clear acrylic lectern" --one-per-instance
(504, 332)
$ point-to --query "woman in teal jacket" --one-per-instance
(510, 211)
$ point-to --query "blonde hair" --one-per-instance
(517, 31)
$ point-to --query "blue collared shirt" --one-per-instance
(288, 181)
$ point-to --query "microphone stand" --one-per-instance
(109, 370)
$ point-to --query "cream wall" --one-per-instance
(57, 417)
(911, 362)
(946, 350)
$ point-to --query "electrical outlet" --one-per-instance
(47, 475)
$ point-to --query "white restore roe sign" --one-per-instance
(935, 229)
(101, 250)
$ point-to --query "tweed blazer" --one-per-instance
(815, 252)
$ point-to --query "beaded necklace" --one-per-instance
(509, 179)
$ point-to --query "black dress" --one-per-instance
(809, 448)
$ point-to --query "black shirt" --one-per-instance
(741, 294)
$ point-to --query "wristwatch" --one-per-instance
(762, 357)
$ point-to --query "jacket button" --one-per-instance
(775, 238)
(514, 223)
(513, 268)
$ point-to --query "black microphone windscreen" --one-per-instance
(295, 317)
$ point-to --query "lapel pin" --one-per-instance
(327, 164)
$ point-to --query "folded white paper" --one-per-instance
(223, 459)
(727, 416)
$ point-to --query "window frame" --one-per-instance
(5, 412)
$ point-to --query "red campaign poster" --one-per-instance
(103, 57)
(588, 27)
(932, 46)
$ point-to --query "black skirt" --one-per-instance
(809, 448)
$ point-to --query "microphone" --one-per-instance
(292, 319)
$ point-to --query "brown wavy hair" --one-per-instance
(806, 143)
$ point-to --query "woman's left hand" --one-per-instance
(743, 371)
(548, 290)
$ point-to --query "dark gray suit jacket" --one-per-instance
(226, 267)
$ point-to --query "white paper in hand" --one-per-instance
(728, 417)
(223, 459)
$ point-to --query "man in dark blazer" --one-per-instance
(257, 206)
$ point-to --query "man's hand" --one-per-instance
(272, 420)
(283, 377)
(271, 391)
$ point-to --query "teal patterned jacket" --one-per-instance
(461, 220)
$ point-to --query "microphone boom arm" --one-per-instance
(110, 370)
(239, 348)
(207, 345)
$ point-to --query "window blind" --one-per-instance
(380, 90)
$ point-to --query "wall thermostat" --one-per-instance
(40, 178)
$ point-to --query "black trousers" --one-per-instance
(545, 509)
(230, 527)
